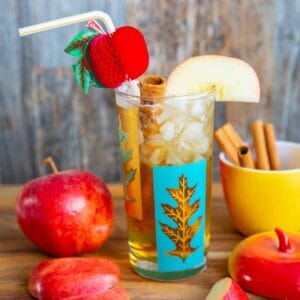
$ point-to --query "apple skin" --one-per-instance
(260, 267)
(66, 213)
(117, 292)
(226, 289)
(76, 278)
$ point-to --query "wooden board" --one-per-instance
(42, 111)
(18, 255)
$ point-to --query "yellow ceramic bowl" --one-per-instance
(261, 200)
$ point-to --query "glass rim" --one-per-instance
(135, 99)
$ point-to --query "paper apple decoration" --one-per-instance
(108, 59)
(66, 213)
(118, 56)
(76, 278)
(226, 289)
(268, 264)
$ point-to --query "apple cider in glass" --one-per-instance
(166, 156)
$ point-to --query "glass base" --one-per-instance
(149, 270)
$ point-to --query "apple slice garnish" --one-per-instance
(226, 289)
(232, 79)
(76, 278)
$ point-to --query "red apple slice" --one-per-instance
(80, 278)
(232, 79)
(226, 289)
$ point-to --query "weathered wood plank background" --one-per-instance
(42, 112)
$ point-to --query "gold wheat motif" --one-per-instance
(182, 235)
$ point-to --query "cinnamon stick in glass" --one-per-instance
(152, 88)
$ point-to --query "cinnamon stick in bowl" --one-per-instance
(245, 157)
(273, 155)
(232, 135)
(260, 146)
(226, 145)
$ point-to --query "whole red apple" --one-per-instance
(66, 213)
(268, 264)
(77, 278)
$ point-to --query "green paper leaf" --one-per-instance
(94, 82)
(75, 47)
(82, 75)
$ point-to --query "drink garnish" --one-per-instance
(108, 59)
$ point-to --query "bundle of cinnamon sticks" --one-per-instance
(264, 144)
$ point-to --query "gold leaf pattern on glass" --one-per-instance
(126, 156)
(182, 235)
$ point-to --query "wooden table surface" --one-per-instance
(18, 255)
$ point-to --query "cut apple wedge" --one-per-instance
(231, 79)
(226, 289)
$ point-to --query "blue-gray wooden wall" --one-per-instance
(42, 112)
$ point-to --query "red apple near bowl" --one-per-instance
(268, 264)
(66, 213)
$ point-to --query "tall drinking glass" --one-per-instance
(166, 155)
